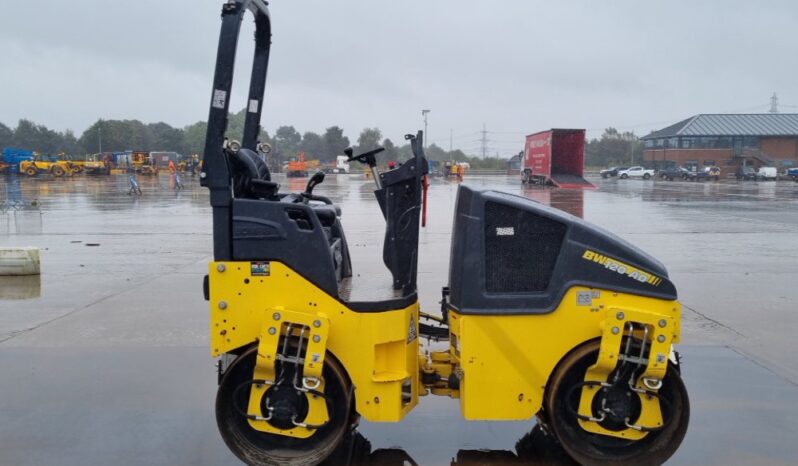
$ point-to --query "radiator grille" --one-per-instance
(521, 249)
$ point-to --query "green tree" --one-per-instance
(116, 136)
(334, 141)
(164, 137)
(27, 135)
(391, 151)
(194, 138)
(6, 136)
(369, 139)
(286, 140)
(313, 146)
(614, 148)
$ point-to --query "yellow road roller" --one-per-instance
(546, 316)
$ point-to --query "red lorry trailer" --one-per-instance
(555, 157)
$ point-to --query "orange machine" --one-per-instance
(297, 168)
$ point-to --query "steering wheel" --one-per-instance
(367, 158)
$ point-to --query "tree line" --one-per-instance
(286, 142)
(612, 148)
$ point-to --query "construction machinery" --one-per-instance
(40, 165)
(545, 315)
(297, 168)
(76, 164)
(96, 164)
(143, 164)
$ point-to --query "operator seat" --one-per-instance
(251, 176)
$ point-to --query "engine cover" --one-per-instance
(513, 255)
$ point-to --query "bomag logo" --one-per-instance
(619, 267)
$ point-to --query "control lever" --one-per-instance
(314, 181)
(369, 158)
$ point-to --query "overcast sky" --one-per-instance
(518, 66)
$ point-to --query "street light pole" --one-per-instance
(424, 113)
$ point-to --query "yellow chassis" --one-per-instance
(503, 362)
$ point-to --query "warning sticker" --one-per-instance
(219, 98)
(584, 298)
(411, 333)
(253, 106)
(260, 269)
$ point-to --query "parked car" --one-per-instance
(673, 173)
(745, 174)
(767, 173)
(636, 172)
(612, 171)
(792, 173)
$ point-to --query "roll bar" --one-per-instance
(216, 172)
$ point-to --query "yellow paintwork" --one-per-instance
(46, 166)
(503, 362)
(310, 326)
(507, 360)
(372, 347)
(659, 325)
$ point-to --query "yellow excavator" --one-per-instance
(546, 316)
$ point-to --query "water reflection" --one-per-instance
(16, 288)
(568, 200)
(533, 449)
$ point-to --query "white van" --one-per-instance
(767, 173)
(342, 164)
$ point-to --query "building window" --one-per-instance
(691, 165)
(750, 142)
(659, 143)
(649, 144)
(687, 143)
(673, 143)
(709, 163)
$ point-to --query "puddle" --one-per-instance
(18, 288)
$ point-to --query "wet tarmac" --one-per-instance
(104, 359)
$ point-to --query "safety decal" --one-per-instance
(260, 269)
(614, 265)
(219, 98)
(411, 333)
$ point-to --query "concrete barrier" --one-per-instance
(19, 261)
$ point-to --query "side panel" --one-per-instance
(507, 360)
(568, 152)
(537, 153)
(378, 350)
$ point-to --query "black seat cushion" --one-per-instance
(251, 176)
(326, 213)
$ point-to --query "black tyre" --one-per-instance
(58, 171)
(31, 171)
(592, 449)
(624, 176)
(646, 176)
(526, 178)
(254, 447)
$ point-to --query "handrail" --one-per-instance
(216, 172)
